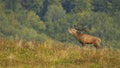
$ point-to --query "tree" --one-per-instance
(108, 6)
(35, 5)
(55, 21)
(77, 5)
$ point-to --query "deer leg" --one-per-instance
(83, 45)
(97, 46)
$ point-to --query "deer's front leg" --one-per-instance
(83, 45)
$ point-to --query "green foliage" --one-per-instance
(82, 5)
(35, 5)
(23, 25)
(33, 20)
(108, 6)
(55, 21)
(77, 5)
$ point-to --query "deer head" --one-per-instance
(72, 30)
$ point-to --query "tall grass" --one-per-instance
(51, 54)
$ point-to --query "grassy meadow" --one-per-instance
(21, 54)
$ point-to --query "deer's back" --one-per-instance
(85, 38)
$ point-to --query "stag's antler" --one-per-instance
(77, 27)
(81, 28)
(85, 28)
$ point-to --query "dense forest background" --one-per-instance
(41, 20)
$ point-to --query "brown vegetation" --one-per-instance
(52, 54)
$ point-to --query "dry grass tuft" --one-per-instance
(51, 54)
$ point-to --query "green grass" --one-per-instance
(51, 54)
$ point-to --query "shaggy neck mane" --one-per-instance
(77, 33)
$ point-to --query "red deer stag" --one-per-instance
(85, 38)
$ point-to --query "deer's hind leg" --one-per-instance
(97, 44)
